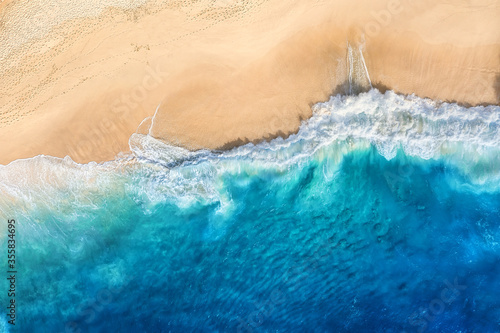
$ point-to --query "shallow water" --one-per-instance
(380, 215)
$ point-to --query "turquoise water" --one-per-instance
(380, 215)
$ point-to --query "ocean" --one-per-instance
(380, 215)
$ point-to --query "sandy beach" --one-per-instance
(79, 81)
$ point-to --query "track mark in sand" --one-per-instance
(47, 82)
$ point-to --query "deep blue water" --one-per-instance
(320, 232)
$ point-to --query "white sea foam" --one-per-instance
(389, 121)
(468, 138)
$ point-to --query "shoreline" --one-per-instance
(230, 75)
(470, 116)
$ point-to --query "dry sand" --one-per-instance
(78, 81)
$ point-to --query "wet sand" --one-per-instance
(224, 73)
